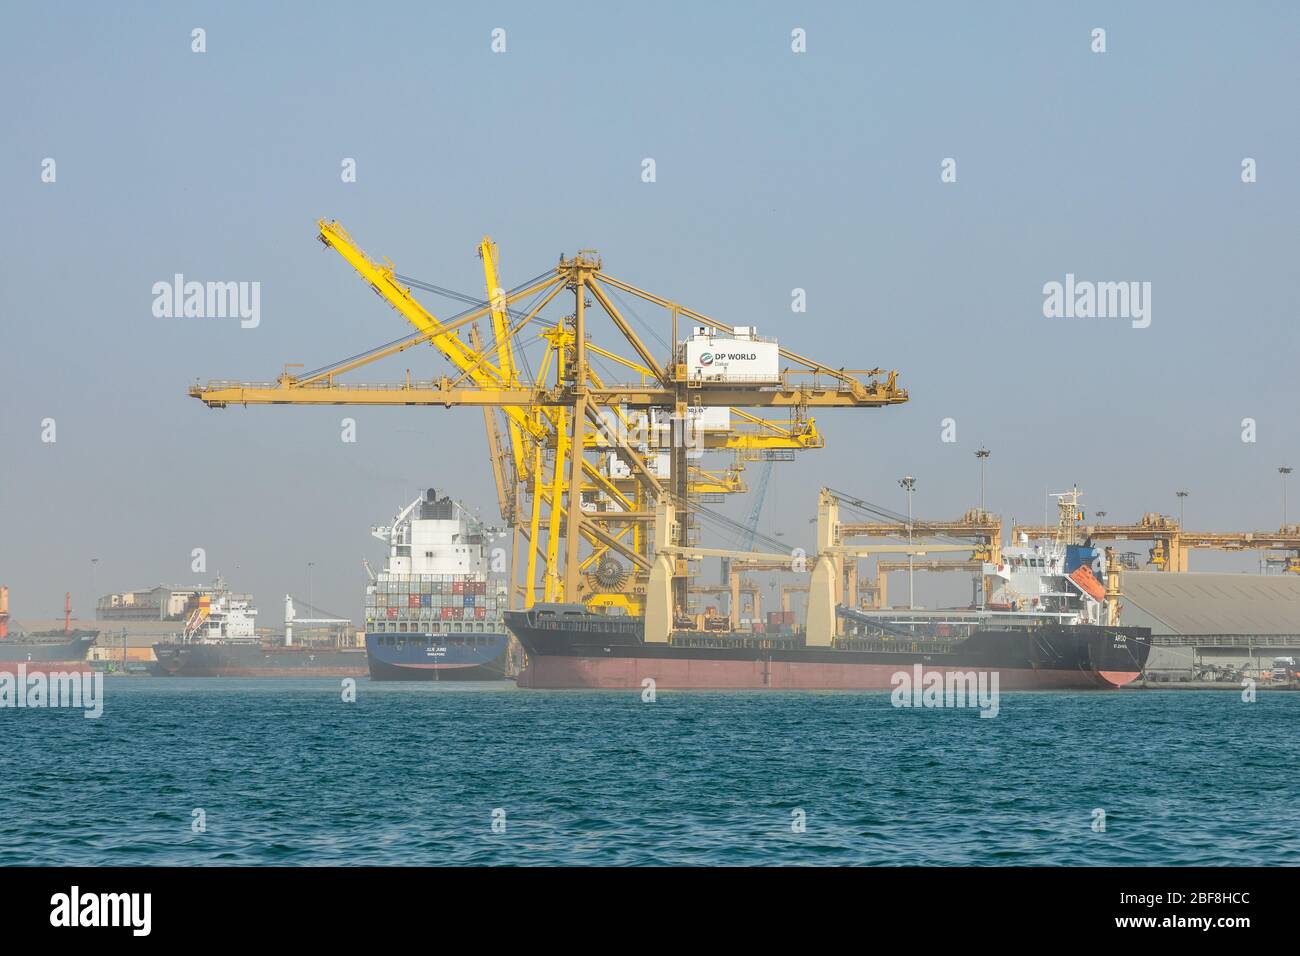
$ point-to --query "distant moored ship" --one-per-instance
(434, 612)
(220, 640)
(44, 650)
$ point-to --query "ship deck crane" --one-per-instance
(982, 527)
(825, 590)
(880, 590)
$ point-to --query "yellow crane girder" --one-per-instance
(555, 420)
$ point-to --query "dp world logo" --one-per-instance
(706, 358)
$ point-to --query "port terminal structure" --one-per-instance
(584, 466)
(1170, 542)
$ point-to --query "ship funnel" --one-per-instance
(431, 495)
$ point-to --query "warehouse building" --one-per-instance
(1205, 623)
(161, 603)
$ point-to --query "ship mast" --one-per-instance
(1068, 516)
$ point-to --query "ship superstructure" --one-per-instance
(220, 617)
(1059, 580)
(63, 649)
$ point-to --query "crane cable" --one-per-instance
(414, 338)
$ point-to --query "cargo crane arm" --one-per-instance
(552, 422)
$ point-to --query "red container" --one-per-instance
(480, 612)
(413, 600)
(457, 587)
(446, 613)
(392, 612)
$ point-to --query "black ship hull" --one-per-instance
(257, 660)
(569, 648)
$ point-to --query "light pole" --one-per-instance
(909, 483)
(978, 582)
(1284, 471)
(94, 583)
(982, 454)
(310, 565)
(1182, 496)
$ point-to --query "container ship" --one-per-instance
(220, 640)
(434, 612)
(1039, 627)
(43, 651)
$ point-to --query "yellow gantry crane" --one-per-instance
(1170, 543)
(579, 463)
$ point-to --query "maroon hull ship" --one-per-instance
(44, 651)
(571, 647)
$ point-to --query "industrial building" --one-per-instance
(161, 603)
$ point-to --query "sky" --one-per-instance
(774, 171)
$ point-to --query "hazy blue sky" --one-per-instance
(775, 171)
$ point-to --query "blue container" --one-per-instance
(1077, 554)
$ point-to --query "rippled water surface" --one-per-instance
(288, 773)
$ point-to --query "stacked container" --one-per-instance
(414, 602)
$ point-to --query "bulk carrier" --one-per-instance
(1040, 627)
(220, 640)
(42, 651)
(434, 612)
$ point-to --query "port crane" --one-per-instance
(752, 436)
(1170, 543)
(558, 429)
